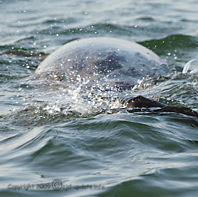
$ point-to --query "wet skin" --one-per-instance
(140, 103)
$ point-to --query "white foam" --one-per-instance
(191, 66)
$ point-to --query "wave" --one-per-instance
(172, 43)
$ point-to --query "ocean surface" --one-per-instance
(58, 142)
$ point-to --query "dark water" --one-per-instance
(58, 142)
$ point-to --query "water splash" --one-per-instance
(191, 66)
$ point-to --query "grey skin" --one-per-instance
(102, 62)
(106, 63)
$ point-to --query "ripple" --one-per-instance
(51, 132)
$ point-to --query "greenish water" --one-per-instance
(55, 136)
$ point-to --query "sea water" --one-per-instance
(55, 141)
